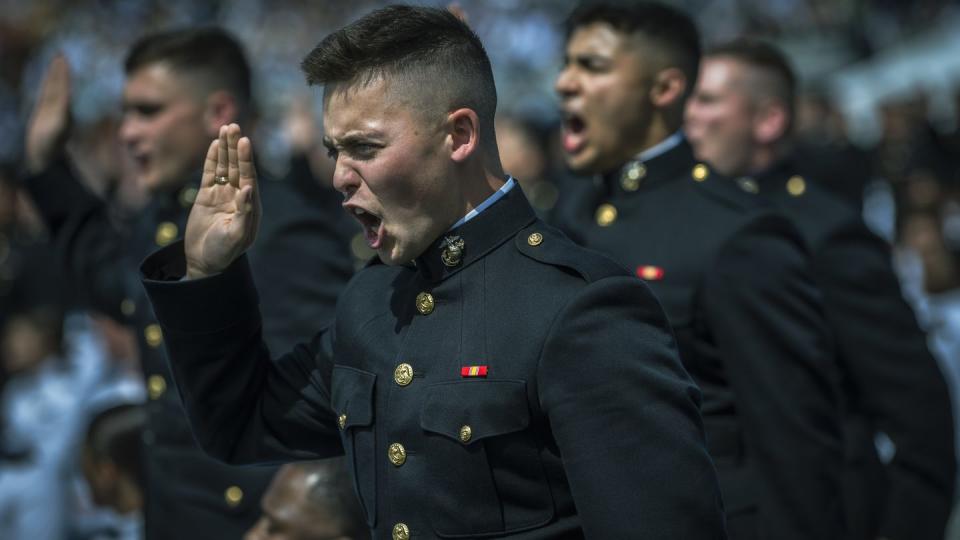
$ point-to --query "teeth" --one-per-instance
(358, 211)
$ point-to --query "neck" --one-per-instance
(767, 156)
(658, 131)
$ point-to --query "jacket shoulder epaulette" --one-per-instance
(712, 185)
(550, 246)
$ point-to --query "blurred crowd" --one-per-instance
(878, 117)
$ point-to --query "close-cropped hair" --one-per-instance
(430, 52)
(670, 29)
(765, 57)
(209, 53)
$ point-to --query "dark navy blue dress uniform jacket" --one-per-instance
(585, 424)
(891, 381)
(736, 284)
(188, 494)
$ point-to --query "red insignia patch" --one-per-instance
(473, 371)
(650, 273)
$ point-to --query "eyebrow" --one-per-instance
(350, 139)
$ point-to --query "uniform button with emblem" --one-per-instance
(466, 433)
(796, 186)
(452, 254)
(630, 180)
(403, 374)
(166, 233)
(233, 495)
(748, 184)
(401, 532)
(342, 421)
(700, 172)
(128, 307)
(397, 454)
(156, 386)
(425, 303)
(606, 214)
(535, 239)
(153, 335)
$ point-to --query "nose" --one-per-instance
(129, 130)
(345, 178)
(566, 84)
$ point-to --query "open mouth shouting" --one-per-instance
(573, 133)
(371, 223)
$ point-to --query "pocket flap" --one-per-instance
(487, 408)
(352, 395)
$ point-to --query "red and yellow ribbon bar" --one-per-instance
(473, 371)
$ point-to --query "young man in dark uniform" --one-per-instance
(181, 86)
(485, 376)
(739, 121)
(734, 281)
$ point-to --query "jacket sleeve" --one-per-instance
(90, 247)
(894, 377)
(243, 406)
(625, 415)
(766, 317)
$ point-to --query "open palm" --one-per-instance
(226, 214)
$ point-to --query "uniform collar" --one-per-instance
(461, 246)
(672, 161)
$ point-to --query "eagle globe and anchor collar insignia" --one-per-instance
(452, 254)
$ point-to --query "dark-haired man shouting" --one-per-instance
(734, 280)
(485, 377)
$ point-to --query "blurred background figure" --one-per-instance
(310, 501)
(113, 468)
(739, 120)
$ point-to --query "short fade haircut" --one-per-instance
(431, 49)
(670, 29)
(767, 58)
(209, 53)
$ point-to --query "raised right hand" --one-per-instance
(225, 216)
(49, 124)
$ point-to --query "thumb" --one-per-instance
(244, 200)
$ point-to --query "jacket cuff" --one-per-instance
(198, 306)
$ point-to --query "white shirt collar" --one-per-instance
(487, 203)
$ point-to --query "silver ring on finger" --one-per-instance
(221, 180)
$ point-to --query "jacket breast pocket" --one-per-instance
(352, 397)
(482, 460)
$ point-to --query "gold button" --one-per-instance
(397, 454)
(342, 421)
(425, 303)
(187, 196)
(535, 239)
(606, 214)
(403, 375)
(153, 335)
(748, 184)
(796, 185)
(156, 386)
(166, 233)
(128, 307)
(233, 495)
(466, 432)
(700, 172)
(401, 532)
(630, 181)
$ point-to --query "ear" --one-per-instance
(770, 123)
(669, 87)
(220, 109)
(463, 134)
